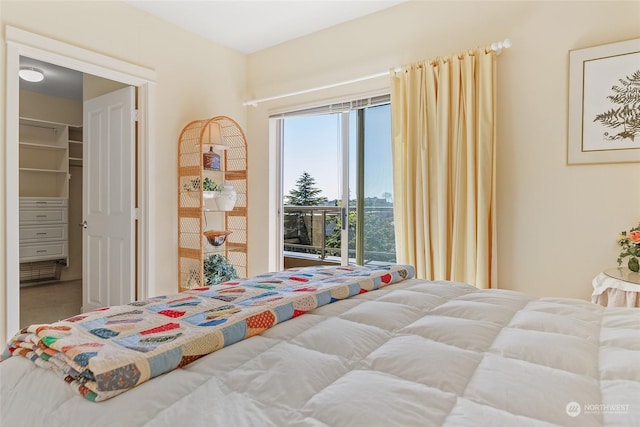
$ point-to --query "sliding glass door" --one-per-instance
(371, 178)
(337, 192)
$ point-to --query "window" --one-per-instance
(336, 168)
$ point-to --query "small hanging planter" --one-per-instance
(216, 237)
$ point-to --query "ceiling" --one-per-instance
(244, 25)
(252, 25)
(58, 81)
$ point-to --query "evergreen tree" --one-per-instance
(305, 193)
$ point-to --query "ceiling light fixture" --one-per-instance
(31, 74)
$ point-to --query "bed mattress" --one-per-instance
(414, 353)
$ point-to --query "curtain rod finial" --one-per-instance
(498, 46)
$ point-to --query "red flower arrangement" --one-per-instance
(629, 241)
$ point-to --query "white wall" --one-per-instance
(557, 224)
(195, 79)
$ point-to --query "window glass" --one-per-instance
(312, 187)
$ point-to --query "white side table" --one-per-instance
(617, 287)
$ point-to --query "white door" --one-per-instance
(108, 200)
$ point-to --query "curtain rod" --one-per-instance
(495, 46)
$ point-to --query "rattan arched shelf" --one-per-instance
(224, 137)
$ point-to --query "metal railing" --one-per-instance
(315, 230)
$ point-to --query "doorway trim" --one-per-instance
(23, 43)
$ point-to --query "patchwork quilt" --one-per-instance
(108, 351)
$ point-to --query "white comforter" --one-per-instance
(412, 354)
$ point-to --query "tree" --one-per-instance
(305, 193)
(379, 237)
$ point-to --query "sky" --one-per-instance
(312, 144)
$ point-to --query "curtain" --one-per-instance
(443, 127)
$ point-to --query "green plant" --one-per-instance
(629, 241)
(207, 185)
(218, 269)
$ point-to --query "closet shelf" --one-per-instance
(42, 170)
(34, 145)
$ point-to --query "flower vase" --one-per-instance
(227, 199)
(629, 241)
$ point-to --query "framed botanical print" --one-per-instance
(604, 103)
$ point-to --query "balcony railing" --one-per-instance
(315, 231)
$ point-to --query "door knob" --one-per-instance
(83, 224)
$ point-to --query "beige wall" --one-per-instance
(557, 224)
(94, 86)
(50, 108)
(195, 79)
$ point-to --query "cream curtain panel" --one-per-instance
(443, 126)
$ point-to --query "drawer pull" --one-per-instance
(41, 234)
(42, 251)
(41, 216)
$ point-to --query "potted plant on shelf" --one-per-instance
(217, 268)
(210, 189)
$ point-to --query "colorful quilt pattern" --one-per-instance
(108, 351)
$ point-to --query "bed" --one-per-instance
(409, 353)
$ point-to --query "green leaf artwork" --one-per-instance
(625, 119)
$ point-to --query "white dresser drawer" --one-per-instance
(42, 251)
(34, 216)
(34, 234)
(42, 202)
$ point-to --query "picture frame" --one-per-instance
(603, 104)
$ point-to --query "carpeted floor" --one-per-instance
(50, 302)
